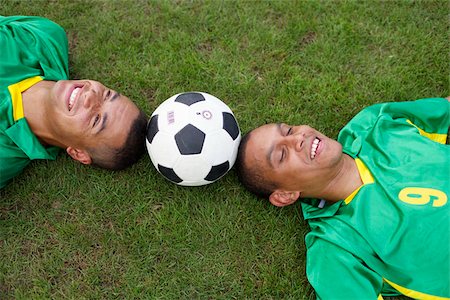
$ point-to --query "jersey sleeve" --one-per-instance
(32, 46)
(431, 115)
(335, 273)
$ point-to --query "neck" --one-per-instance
(35, 101)
(344, 182)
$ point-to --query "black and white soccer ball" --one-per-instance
(193, 138)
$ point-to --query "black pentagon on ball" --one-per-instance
(230, 125)
(152, 128)
(189, 98)
(190, 140)
(217, 171)
(169, 174)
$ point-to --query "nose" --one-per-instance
(296, 141)
(91, 98)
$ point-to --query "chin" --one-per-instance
(334, 152)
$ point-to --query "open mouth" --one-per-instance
(73, 96)
(314, 146)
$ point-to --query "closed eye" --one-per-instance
(289, 131)
(283, 154)
(97, 118)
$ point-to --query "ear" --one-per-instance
(81, 155)
(282, 198)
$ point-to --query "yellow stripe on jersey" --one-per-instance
(16, 95)
(414, 294)
(437, 137)
(366, 178)
(380, 297)
(352, 195)
(365, 174)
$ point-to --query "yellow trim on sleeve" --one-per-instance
(16, 90)
(366, 178)
(414, 294)
(380, 297)
(437, 137)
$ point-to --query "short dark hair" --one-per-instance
(129, 153)
(250, 176)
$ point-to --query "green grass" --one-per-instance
(70, 231)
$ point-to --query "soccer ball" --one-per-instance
(193, 138)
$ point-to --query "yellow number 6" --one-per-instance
(421, 196)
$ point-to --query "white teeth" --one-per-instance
(73, 96)
(314, 146)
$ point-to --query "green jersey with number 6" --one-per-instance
(391, 236)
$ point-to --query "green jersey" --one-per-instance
(32, 49)
(390, 236)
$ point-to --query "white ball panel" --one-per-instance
(233, 155)
(149, 154)
(206, 117)
(194, 183)
(192, 167)
(173, 118)
(218, 147)
(163, 150)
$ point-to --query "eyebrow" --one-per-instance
(269, 153)
(115, 96)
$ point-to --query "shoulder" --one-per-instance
(33, 25)
(401, 109)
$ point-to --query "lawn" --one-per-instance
(71, 231)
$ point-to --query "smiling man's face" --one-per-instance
(84, 114)
(295, 158)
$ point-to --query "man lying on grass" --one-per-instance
(41, 111)
(383, 226)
